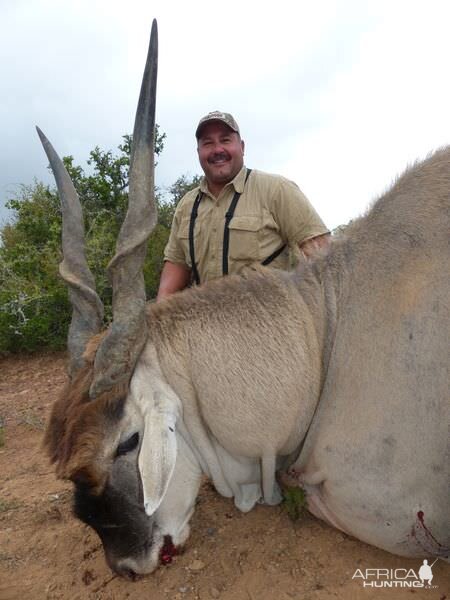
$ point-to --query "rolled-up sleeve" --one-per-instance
(295, 215)
(173, 251)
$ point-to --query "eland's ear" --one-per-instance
(157, 455)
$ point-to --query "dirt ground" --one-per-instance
(46, 554)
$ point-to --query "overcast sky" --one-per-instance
(338, 96)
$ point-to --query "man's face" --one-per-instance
(221, 153)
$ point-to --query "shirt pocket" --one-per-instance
(269, 222)
(183, 236)
(244, 238)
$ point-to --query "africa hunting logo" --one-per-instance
(396, 578)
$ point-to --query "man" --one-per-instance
(237, 217)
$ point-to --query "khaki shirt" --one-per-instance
(271, 211)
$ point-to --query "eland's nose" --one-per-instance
(124, 568)
(127, 573)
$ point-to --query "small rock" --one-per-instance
(183, 589)
(197, 565)
(88, 577)
(54, 513)
(214, 592)
(211, 531)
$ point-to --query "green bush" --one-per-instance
(34, 308)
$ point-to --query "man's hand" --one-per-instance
(316, 246)
(174, 277)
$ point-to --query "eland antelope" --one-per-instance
(336, 375)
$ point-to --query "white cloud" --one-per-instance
(337, 95)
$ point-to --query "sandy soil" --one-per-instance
(46, 554)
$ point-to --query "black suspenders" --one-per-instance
(226, 232)
(194, 214)
(273, 256)
(226, 235)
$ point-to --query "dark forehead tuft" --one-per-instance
(78, 426)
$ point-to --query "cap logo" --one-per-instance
(217, 114)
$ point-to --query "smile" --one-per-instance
(219, 160)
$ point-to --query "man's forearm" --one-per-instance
(174, 277)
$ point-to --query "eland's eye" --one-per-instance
(128, 445)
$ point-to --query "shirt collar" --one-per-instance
(238, 182)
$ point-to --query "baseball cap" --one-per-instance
(217, 115)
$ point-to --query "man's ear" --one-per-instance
(243, 147)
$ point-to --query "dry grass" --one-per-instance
(7, 505)
(31, 419)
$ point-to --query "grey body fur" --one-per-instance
(352, 350)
